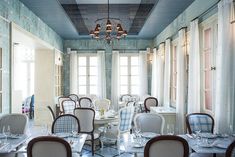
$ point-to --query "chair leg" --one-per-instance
(92, 144)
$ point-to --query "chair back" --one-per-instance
(142, 121)
(102, 104)
(60, 100)
(86, 118)
(16, 122)
(51, 113)
(230, 152)
(150, 102)
(68, 106)
(74, 97)
(48, 146)
(85, 102)
(202, 122)
(125, 119)
(130, 103)
(65, 124)
(166, 146)
(125, 97)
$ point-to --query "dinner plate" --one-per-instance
(149, 134)
(205, 145)
(220, 145)
(208, 135)
(137, 145)
(63, 135)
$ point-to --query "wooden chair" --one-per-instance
(150, 102)
(75, 98)
(86, 118)
(202, 122)
(85, 102)
(48, 146)
(68, 106)
(166, 146)
(51, 113)
(230, 152)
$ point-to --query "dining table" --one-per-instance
(108, 117)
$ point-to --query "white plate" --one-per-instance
(205, 145)
(208, 135)
(220, 145)
(63, 135)
(149, 134)
(137, 145)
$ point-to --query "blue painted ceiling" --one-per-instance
(73, 19)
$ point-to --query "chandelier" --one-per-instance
(109, 30)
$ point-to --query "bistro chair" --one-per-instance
(230, 152)
(125, 97)
(143, 121)
(74, 97)
(85, 102)
(66, 123)
(48, 146)
(60, 100)
(166, 146)
(16, 122)
(150, 102)
(68, 106)
(202, 122)
(51, 113)
(86, 118)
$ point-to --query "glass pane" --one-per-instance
(207, 79)
(82, 71)
(93, 80)
(134, 60)
(93, 90)
(207, 38)
(208, 103)
(123, 80)
(82, 90)
(123, 70)
(93, 70)
(82, 80)
(207, 60)
(123, 90)
(123, 60)
(135, 70)
(82, 61)
(93, 61)
(134, 80)
(134, 90)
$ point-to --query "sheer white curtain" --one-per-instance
(143, 77)
(154, 69)
(225, 69)
(158, 73)
(73, 72)
(167, 73)
(115, 80)
(101, 93)
(194, 69)
(181, 81)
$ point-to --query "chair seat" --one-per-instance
(96, 136)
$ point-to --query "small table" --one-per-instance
(12, 143)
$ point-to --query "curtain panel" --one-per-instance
(73, 72)
(225, 69)
(194, 69)
(101, 75)
(181, 82)
(143, 74)
(167, 73)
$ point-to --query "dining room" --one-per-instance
(117, 78)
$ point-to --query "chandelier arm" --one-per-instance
(111, 18)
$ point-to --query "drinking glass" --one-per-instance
(170, 129)
(231, 131)
(74, 131)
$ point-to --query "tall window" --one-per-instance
(87, 75)
(209, 47)
(174, 74)
(129, 74)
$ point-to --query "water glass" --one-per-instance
(170, 129)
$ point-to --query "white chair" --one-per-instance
(86, 118)
(48, 146)
(16, 122)
(166, 146)
(68, 106)
(74, 97)
(85, 102)
(60, 100)
(102, 104)
(125, 97)
(143, 121)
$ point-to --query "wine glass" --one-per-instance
(170, 129)
(231, 131)
(5, 132)
(74, 131)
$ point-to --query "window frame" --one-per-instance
(129, 75)
(210, 23)
(88, 74)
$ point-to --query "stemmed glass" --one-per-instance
(6, 132)
(170, 129)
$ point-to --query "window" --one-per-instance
(87, 75)
(209, 47)
(129, 74)
(0, 80)
(174, 73)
